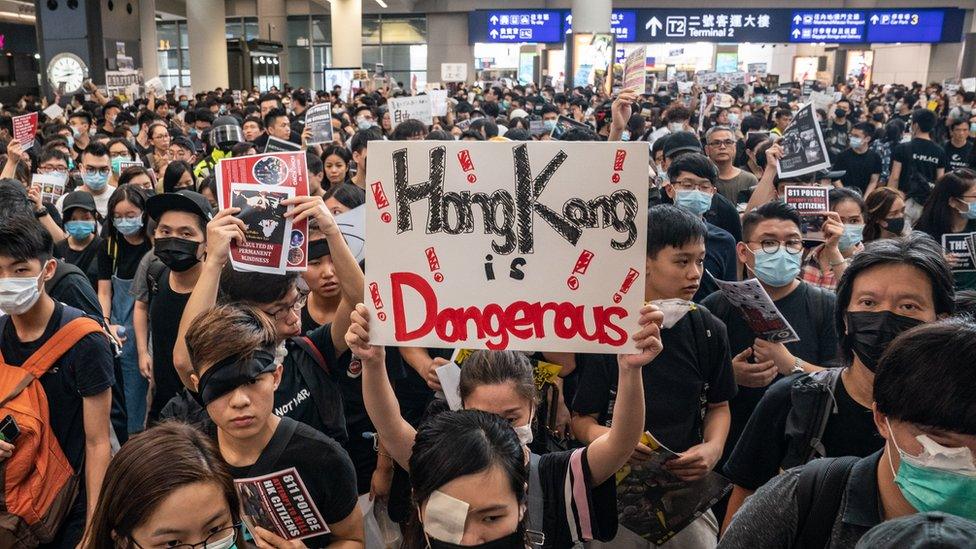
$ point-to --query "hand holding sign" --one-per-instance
(622, 108)
(311, 207)
(264, 539)
(357, 338)
(221, 231)
(648, 339)
(832, 229)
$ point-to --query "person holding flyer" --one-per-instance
(236, 371)
(951, 209)
(843, 231)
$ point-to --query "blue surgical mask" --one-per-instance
(971, 212)
(777, 269)
(222, 109)
(853, 235)
(71, 141)
(939, 479)
(128, 226)
(733, 119)
(117, 164)
(95, 181)
(184, 104)
(972, 127)
(695, 201)
(79, 230)
(549, 124)
(856, 142)
(625, 136)
(75, 132)
(364, 123)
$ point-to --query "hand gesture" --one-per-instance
(752, 374)
(221, 231)
(773, 154)
(695, 462)
(379, 484)
(34, 194)
(266, 540)
(622, 108)
(647, 339)
(311, 207)
(15, 151)
(357, 338)
(145, 366)
(833, 229)
(777, 353)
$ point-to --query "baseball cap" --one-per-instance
(78, 199)
(183, 143)
(681, 142)
(921, 531)
(517, 113)
(180, 201)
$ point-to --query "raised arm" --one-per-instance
(766, 189)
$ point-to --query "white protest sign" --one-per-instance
(416, 107)
(499, 245)
(54, 111)
(821, 100)
(438, 102)
(156, 85)
(968, 84)
(454, 72)
(635, 70)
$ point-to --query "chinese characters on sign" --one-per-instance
(832, 26)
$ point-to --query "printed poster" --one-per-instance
(813, 204)
(280, 503)
(25, 129)
(958, 245)
(259, 182)
(318, 120)
(564, 124)
(496, 245)
(275, 145)
(635, 70)
(761, 314)
(51, 186)
(804, 150)
(438, 102)
(406, 108)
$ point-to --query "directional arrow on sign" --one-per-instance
(796, 33)
(797, 19)
(494, 19)
(654, 24)
(494, 33)
(874, 19)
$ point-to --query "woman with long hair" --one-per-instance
(951, 209)
(335, 161)
(824, 265)
(167, 487)
(884, 214)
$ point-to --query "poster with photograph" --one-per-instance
(278, 176)
(635, 70)
(813, 205)
(564, 124)
(958, 246)
(281, 504)
(280, 145)
(318, 120)
(25, 129)
(758, 309)
(467, 237)
(804, 149)
(50, 185)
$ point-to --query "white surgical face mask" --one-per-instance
(674, 310)
(225, 543)
(676, 127)
(524, 433)
(18, 295)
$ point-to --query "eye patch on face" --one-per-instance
(232, 372)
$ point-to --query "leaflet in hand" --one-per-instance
(25, 129)
(318, 120)
(654, 503)
(280, 503)
(813, 204)
(280, 145)
(51, 186)
(758, 309)
(804, 149)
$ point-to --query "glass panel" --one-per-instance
(371, 29)
(418, 57)
(372, 55)
(404, 30)
(299, 79)
(184, 35)
(167, 35)
(321, 29)
(251, 28)
(298, 60)
(234, 28)
(297, 31)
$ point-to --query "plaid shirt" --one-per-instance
(812, 273)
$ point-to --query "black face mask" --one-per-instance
(896, 225)
(178, 254)
(870, 333)
(515, 540)
(840, 113)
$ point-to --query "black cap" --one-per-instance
(921, 531)
(183, 143)
(78, 199)
(180, 201)
(681, 142)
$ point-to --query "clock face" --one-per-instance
(66, 72)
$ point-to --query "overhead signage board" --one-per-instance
(712, 25)
(623, 24)
(907, 25)
(841, 26)
(524, 26)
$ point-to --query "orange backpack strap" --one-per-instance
(52, 350)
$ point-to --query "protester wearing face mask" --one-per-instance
(825, 264)
(81, 123)
(922, 408)
(96, 168)
(951, 208)
(150, 484)
(119, 150)
(885, 215)
(860, 164)
(917, 164)
(364, 118)
(892, 286)
(501, 382)
(82, 225)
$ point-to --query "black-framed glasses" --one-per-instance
(703, 185)
(296, 305)
(216, 538)
(721, 143)
(102, 171)
(793, 245)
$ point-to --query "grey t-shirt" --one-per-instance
(140, 282)
(730, 188)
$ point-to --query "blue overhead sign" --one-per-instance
(906, 25)
(525, 26)
(623, 24)
(839, 26)
(712, 25)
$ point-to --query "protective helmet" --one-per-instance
(225, 133)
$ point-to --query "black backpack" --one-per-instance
(819, 491)
(812, 403)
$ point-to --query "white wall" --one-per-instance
(904, 63)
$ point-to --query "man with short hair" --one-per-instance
(782, 120)
(358, 145)
(181, 148)
(918, 164)
(720, 146)
(95, 170)
(959, 147)
(80, 122)
(860, 164)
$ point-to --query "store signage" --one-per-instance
(839, 26)
(623, 24)
(907, 25)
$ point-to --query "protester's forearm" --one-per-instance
(203, 298)
(718, 418)
(56, 233)
(140, 323)
(105, 298)
(765, 190)
(608, 453)
(586, 429)
(384, 411)
(417, 358)
(351, 282)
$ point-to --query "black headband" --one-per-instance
(232, 372)
(318, 248)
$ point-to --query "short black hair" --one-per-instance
(23, 238)
(695, 163)
(926, 376)
(866, 128)
(953, 122)
(669, 225)
(360, 140)
(924, 119)
(548, 108)
(917, 250)
(81, 114)
(313, 163)
(966, 302)
(274, 114)
(348, 195)
(254, 288)
(408, 128)
(13, 199)
(95, 148)
(753, 122)
(776, 209)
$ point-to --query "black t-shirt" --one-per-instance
(926, 158)
(572, 508)
(724, 215)
(73, 289)
(324, 467)
(758, 455)
(837, 138)
(859, 168)
(165, 312)
(811, 313)
(300, 385)
(83, 259)
(677, 385)
(125, 261)
(958, 157)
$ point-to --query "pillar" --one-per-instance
(273, 25)
(208, 46)
(591, 15)
(347, 33)
(148, 43)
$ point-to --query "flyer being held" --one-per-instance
(258, 185)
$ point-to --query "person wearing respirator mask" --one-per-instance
(951, 208)
(844, 230)
(923, 410)
(693, 370)
(861, 165)
(96, 169)
(889, 288)
(501, 382)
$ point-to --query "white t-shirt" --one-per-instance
(101, 200)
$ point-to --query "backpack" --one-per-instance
(327, 396)
(819, 491)
(38, 483)
(812, 403)
(155, 272)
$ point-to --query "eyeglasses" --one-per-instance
(793, 246)
(693, 184)
(102, 171)
(720, 144)
(282, 312)
(47, 168)
(215, 539)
